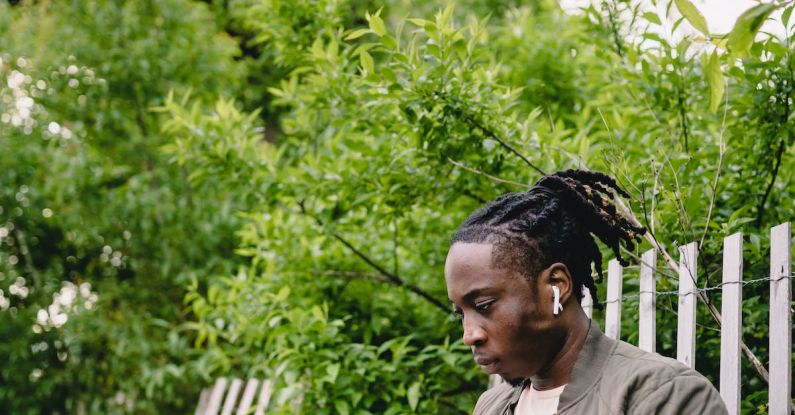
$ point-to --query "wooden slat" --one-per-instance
(264, 397)
(647, 335)
(231, 396)
(686, 324)
(780, 319)
(615, 276)
(204, 398)
(587, 302)
(731, 326)
(216, 396)
(248, 396)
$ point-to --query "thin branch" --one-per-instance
(572, 157)
(491, 134)
(721, 152)
(394, 279)
(679, 200)
(390, 277)
(760, 211)
(481, 173)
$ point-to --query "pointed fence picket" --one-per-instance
(211, 398)
(780, 326)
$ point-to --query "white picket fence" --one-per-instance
(211, 398)
(780, 325)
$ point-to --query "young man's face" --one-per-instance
(507, 317)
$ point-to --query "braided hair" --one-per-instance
(552, 222)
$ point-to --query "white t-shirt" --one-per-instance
(536, 402)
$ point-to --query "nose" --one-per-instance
(474, 335)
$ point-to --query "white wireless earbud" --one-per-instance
(557, 307)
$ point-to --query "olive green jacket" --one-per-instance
(613, 377)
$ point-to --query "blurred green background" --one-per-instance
(263, 188)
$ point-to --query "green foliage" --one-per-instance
(298, 231)
(92, 211)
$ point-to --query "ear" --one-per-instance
(558, 275)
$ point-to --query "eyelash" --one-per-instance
(483, 307)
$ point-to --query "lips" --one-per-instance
(484, 361)
(488, 364)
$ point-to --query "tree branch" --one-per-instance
(389, 277)
(760, 210)
(721, 152)
(491, 134)
(493, 178)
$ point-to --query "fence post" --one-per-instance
(615, 277)
(248, 396)
(216, 396)
(647, 335)
(587, 302)
(780, 320)
(231, 396)
(686, 324)
(730, 332)
(264, 397)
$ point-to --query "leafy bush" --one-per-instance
(305, 242)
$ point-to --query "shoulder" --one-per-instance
(630, 359)
(660, 384)
(494, 400)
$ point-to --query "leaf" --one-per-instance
(745, 28)
(377, 25)
(367, 62)
(776, 48)
(284, 292)
(655, 37)
(420, 22)
(715, 80)
(652, 17)
(786, 15)
(357, 34)
(342, 407)
(389, 42)
(333, 371)
(414, 395)
(691, 13)
(318, 313)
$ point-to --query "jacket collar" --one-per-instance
(587, 369)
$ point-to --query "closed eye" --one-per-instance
(484, 306)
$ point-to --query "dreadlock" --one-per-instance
(555, 221)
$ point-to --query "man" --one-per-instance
(514, 273)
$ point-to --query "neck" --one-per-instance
(558, 372)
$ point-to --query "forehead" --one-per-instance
(470, 267)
